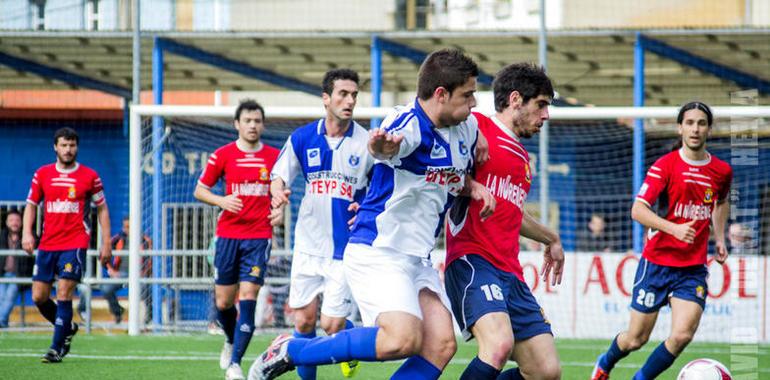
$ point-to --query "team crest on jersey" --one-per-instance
(700, 292)
(72, 193)
(255, 271)
(263, 174)
(354, 160)
(437, 151)
(709, 197)
(68, 267)
(527, 173)
(314, 157)
(463, 148)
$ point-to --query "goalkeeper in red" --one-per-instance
(484, 279)
(673, 266)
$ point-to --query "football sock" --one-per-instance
(479, 370)
(658, 361)
(612, 356)
(62, 324)
(306, 372)
(245, 329)
(358, 343)
(511, 374)
(48, 310)
(416, 367)
(227, 319)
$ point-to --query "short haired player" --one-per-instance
(243, 230)
(331, 154)
(673, 268)
(424, 151)
(484, 278)
(65, 189)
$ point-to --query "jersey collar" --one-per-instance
(321, 128)
(67, 171)
(259, 147)
(505, 129)
(694, 162)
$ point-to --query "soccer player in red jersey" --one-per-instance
(484, 278)
(673, 268)
(243, 231)
(68, 189)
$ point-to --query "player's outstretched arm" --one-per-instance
(553, 258)
(230, 202)
(383, 145)
(642, 213)
(27, 237)
(720, 215)
(482, 149)
(103, 216)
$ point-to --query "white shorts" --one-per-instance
(383, 281)
(313, 275)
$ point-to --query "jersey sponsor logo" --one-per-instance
(250, 189)
(437, 151)
(263, 174)
(463, 148)
(709, 196)
(334, 184)
(71, 193)
(503, 188)
(449, 177)
(255, 271)
(354, 160)
(692, 211)
(314, 157)
(62, 207)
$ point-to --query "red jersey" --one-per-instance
(68, 195)
(692, 188)
(508, 177)
(247, 174)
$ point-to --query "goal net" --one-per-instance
(590, 168)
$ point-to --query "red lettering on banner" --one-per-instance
(601, 279)
(725, 279)
(619, 273)
(742, 280)
(535, 277)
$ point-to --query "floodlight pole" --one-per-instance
(542, 53)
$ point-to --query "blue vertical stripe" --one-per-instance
(380, 191)
(340, 229)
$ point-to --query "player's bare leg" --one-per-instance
(685, 318)
(399, 335)
(537, 358)
(438, 338)
(495, 338)
(639, 329)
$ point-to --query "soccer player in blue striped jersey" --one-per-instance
(331, 154)
(423, 152)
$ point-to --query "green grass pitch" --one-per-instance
(197, 356)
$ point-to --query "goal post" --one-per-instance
(591, 166)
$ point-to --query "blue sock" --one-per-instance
(479, 370)
(306, 372)
(511, 374)
(227, 319)
(62, 324)
(416, 367)
(612, 356)
(658, 361)
(48, 310)
(245, 330)
(349, 324)
(359, 343)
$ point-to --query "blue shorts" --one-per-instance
(68, 264)
(241, 260)
(475, 288)
(654, 284)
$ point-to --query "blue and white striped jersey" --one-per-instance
(335, 176)
(409, 194)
